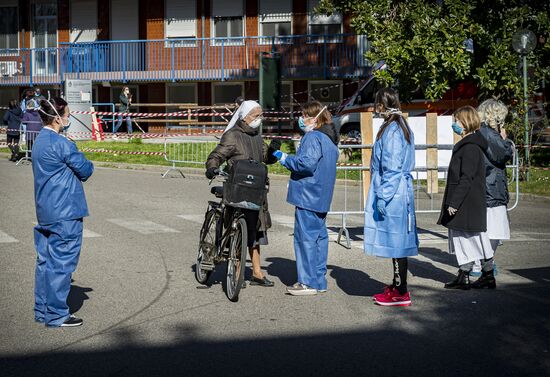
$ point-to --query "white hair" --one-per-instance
(492, 112)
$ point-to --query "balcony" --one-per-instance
(200, 59)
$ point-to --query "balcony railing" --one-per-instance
(302, 56)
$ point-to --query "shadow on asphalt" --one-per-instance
(355, 282)
(76, 298)
(487, 333)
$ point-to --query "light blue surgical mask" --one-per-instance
(301, 124)
(457, 129)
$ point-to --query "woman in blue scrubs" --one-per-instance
(390, 222)
(59, 170)
(313, 174)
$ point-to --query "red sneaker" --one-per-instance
(393, 298)
(387, 290)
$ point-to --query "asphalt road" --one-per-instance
(145, 314)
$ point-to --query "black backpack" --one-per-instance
(246, 186)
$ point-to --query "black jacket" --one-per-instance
(498, 153)
(330, 131)
(12, 118)
(124, 103)
(240, 143)
(465, 188)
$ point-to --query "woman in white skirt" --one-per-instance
(464, 210)
(500, 150)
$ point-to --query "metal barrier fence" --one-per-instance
(353, 198)
(26, 141)
(190, 152)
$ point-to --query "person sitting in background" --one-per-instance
(310, 190)
(12, 118)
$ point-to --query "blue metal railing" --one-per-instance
(183, 59)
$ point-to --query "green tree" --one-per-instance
(423, 45)
(422, 42)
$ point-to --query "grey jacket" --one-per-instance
(498, 153)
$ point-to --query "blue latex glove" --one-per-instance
(381, 206)
(281, 156)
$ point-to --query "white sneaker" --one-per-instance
(300, 289)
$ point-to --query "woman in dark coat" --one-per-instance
(12, 118)
(464, 210)
(242, 140)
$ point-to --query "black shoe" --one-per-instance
(462, 281)
(487, 280)
(264, 282)
(72, 321)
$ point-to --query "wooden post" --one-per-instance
(431, 154)
(367, 137)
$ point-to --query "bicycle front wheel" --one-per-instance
(236, 261)
(207, 247)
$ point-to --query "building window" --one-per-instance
(226, 93)
(9, 27)
(325, 28)
(228, 20)
(326, 92)
(180, 22)
(275, 18)
(181, 93)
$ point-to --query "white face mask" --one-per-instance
(255, 123)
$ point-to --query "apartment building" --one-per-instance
(204, 52)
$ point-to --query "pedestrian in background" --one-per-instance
(32, 123)
(59, 170)
(390, 222)
(464, 208)
(310, 190)
(125, 99)
(499, 151)
(12, 118)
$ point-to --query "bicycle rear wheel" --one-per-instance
(207, 247)
(236, 262)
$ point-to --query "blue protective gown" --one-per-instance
(310, 189)
(392, 235)
(59, 170)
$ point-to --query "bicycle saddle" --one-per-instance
(217, 191)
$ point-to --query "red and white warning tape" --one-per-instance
(101, 150)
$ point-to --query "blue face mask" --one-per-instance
(301, 124)
(457, 129)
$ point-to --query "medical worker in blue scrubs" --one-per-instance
(59, 170)
(313, 174)
(390, 222)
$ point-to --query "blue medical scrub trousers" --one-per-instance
(58, 249)
(311, 247)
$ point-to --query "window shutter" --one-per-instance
(227, 8)
(180, 18)
(83, 21)
(275, 10)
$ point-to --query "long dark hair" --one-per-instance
(389, 99)
(47, 112)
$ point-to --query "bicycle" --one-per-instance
(223, 239)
